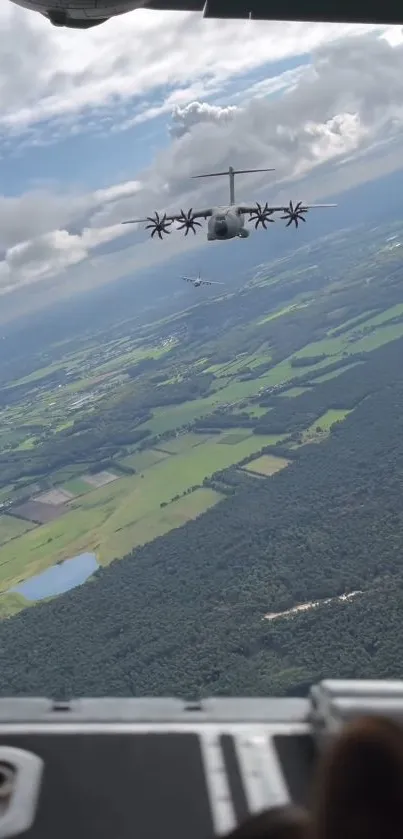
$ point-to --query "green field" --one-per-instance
(131, 358)
(231, 368)
(254, 410)
(76, 486)
(27, 444)
(267, 464)
(295, 391)
(173, 416)
(234, 437)
(382, 333)
(40, 374)
(383, 317)
(333, 375)
(284, 311)
(12, 603)
(319, 430)
(11, 527)
(143, 460)
(152, 525)
(381, 336)
(181, 444)
(322, 426)
(328, 419)
(103, 519)
(348, 323)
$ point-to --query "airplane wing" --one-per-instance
(210, 282)
(160, 223)
(262, 213)
(243, 208)
(170, 218)
(188, 279)
(387, 11)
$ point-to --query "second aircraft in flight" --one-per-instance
(197, 281)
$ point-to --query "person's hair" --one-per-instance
(286, 822)
(359, 783)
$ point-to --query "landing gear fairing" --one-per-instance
(227, 222)
(82, 14)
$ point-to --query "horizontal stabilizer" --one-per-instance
(231, 172)
(246, 171)
(317, 206)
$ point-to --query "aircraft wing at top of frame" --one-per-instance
(82, 14)
(262, 213)
(344, 11)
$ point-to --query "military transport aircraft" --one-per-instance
(228, 221)
(197, 281)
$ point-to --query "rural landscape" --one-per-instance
(234, 469)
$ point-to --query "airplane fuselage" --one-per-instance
(226, 223)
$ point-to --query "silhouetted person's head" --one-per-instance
(359, 790)
(275, 823)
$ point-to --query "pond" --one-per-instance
(59, 578)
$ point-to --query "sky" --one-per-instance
(111, 123)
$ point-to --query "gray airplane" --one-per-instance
(197, 281)
(227, 222)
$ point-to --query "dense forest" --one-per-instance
(185, 614)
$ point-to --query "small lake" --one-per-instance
(59, 578)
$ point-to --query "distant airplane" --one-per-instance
(229, 221)
(197, 281)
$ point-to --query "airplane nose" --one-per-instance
(221, 228)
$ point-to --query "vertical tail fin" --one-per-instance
(231, 174)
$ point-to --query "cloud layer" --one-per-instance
(54, 73)
(304, 121)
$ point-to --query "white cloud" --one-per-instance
(274, 84)
(48, 73)
(46, 255)
(113, 193)
(38, 212)
(196, 112)
(50, 255)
